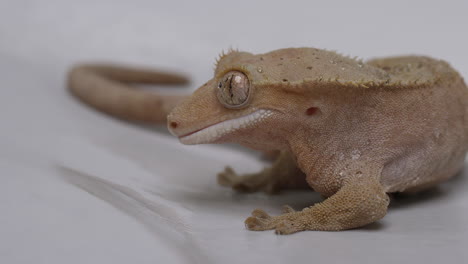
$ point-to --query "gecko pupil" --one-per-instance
(231, 84)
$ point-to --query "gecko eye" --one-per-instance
(233, 90)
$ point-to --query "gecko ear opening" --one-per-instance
(233, 90)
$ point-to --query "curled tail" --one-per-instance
(106, 88)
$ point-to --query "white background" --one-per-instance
(79, 187)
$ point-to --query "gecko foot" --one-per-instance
(246, 183)
(283, 224)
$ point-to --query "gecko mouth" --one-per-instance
(215, 131)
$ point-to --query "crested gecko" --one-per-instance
(353, 131)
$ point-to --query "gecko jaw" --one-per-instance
(213, 132)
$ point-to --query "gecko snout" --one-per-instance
(177, 126)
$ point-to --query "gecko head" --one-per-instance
(241, 104)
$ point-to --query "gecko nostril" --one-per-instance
(173, 124)
(311, 110)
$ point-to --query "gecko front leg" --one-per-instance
(283, 174)
(360, 201)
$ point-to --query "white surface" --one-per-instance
(79, 187)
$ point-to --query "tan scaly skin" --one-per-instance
(352, 131)
(106, 88)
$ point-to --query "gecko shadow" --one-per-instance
(302, 199)
(443, 190)
(162, 221)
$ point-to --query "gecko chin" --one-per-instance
(214, 132)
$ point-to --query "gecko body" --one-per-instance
(353, 131)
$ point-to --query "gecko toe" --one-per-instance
(227, 177)
(259, 213)
(286, 227)
(256, 224)
(288, 209)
